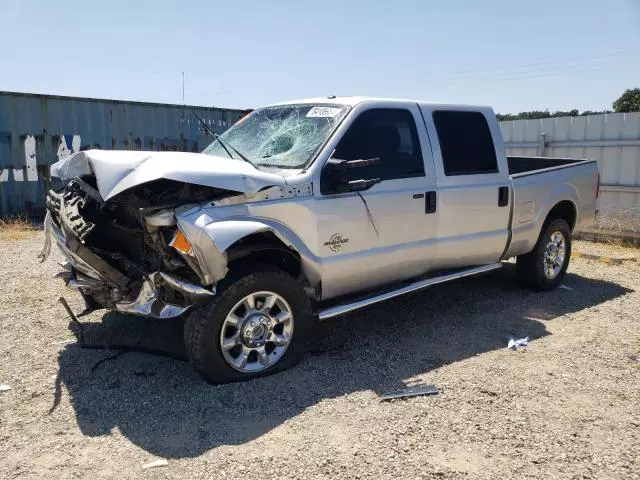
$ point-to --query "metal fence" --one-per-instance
(38, 130)
(612, 139)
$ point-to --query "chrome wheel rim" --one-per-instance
(256, 332)
(554, 255)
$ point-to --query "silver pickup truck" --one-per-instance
(307, 210)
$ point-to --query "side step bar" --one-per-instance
(412, 287)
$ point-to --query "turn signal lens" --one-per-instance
(181, 243)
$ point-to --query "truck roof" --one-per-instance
(352, 101)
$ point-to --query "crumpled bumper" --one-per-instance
(94, 278)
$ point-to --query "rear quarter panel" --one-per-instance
(535, 194)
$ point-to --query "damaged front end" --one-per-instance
(127, 253)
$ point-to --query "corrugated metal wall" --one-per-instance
(38, 130)
(611, 139)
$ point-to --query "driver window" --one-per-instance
(388, 134)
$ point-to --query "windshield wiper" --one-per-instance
(224, 144)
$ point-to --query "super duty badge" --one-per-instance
(335, 242)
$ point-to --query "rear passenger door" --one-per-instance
(472, 179)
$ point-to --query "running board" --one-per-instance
(412, 287)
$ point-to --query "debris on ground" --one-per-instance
(488, 392)
(515, 343)
(410, 392)
(565, 287)
(156, 463)
(4, 388)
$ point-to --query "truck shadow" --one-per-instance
(162, 406)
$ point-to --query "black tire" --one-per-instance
(203, 325)
(530, 267)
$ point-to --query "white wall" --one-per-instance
(612, 139)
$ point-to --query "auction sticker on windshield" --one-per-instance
(323, 112)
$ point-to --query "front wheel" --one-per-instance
(545, 266)
(258, 324)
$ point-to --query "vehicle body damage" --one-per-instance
(120, 214)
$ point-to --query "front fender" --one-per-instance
(211, 237)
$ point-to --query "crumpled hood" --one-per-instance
(119, 170)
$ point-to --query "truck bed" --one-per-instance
(538, 185)
(528, 165)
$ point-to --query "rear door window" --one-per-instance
(466, 143)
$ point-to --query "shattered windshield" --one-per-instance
(284, 136)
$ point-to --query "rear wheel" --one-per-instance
(258, 324)
(545, 266)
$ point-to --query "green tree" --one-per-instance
(629, 101)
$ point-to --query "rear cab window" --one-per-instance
(466, 143)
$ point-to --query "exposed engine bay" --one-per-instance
(133, 230)
(127, 243)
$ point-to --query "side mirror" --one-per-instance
(337, 176)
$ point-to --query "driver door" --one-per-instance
(386, 232)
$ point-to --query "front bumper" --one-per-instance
(96, 279)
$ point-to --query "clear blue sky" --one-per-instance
(512, 54)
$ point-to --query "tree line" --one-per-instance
(629, 101)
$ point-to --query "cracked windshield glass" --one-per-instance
(284, 136)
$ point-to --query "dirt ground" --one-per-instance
(566, 406)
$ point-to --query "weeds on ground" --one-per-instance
(16, 228)
(619, 221)
(606, 238)
(615, 227)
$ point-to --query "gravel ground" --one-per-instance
(566, 406)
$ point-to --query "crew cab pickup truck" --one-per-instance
(307, 210)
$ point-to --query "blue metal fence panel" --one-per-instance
(38, 130)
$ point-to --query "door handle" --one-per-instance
(503, 196)
(430, 201)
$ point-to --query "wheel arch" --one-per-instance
(264, 247)
(566, 210)
(218, 244)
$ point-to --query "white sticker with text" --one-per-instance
(323, 112)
